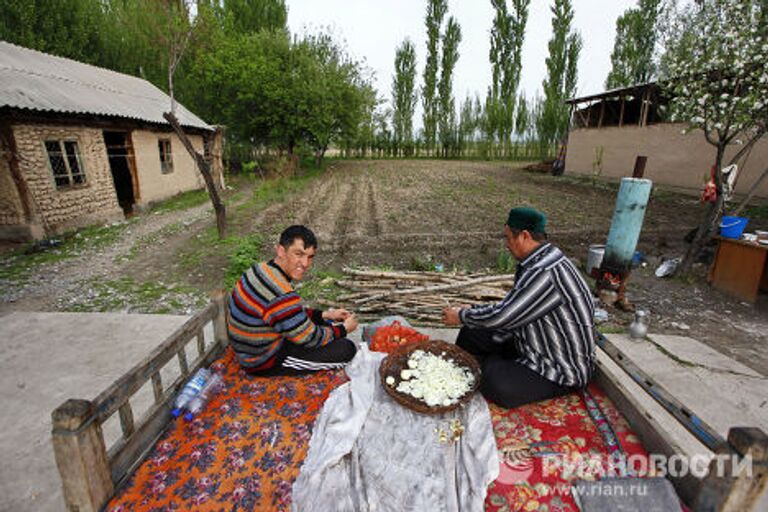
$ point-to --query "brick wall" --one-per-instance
(11, 211)
(75, 206)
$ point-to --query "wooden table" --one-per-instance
(740, 268)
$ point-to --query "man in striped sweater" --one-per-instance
(539, 341)
(270, 328)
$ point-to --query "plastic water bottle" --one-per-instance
(198, 402)
(190, 389)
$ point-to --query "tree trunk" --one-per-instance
(319, 154)
(205, 169)
(708, 224)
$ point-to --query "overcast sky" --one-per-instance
(373, 29)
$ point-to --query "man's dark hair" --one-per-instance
(539, 237)
(296, 231)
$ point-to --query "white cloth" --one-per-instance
(370, 454)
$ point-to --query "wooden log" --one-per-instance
(424, 289)
(78, 445)
(386, 274)
(740, 487)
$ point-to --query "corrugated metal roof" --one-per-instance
(38, 81)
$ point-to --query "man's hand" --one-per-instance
(350, 323)
(451, 315)
(336, 315)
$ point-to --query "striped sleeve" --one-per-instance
(520, 307)
(288, 316)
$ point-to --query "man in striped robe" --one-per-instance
(539, 341)
(271, 329)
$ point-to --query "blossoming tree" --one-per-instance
(715, 69)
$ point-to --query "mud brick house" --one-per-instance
(629, 122)
(81, 145)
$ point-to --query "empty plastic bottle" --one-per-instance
(198, 402)
(190, 389)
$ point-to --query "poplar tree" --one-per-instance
(562, 74)
(436, 10)
(446, 106)
(632, 59)
(404, 96)
(507, 37)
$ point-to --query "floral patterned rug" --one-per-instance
(544, 447)
(244, 451)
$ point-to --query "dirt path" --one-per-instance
(413, 215)
(53, 286)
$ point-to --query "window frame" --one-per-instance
(70, 176)
(166, 165)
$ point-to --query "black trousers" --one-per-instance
(293, 359)
(505, 381)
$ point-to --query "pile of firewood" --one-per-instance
(417, 296)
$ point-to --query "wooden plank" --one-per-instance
(200, 342)
(738, 268)
(602, 114)
(126, 418)
(220, 318)
(647, 428)
(621, 113)
(78, 445)
(123, 388)
(695, 425)
(183, 365)
(157, 386)
(127, 454)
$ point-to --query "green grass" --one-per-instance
(243, 251)
(611, 329)
(182, 201)
(321, 285)
(16, 267)
(505, 262)
(276, 190)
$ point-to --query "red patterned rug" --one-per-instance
(244, 451)
(544, 447)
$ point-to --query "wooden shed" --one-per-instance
(609, 130)
(81, 145)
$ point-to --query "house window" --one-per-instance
(65, 161)
(166, 157)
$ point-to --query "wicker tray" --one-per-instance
(397, 360)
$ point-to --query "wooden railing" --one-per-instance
(89, 470)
